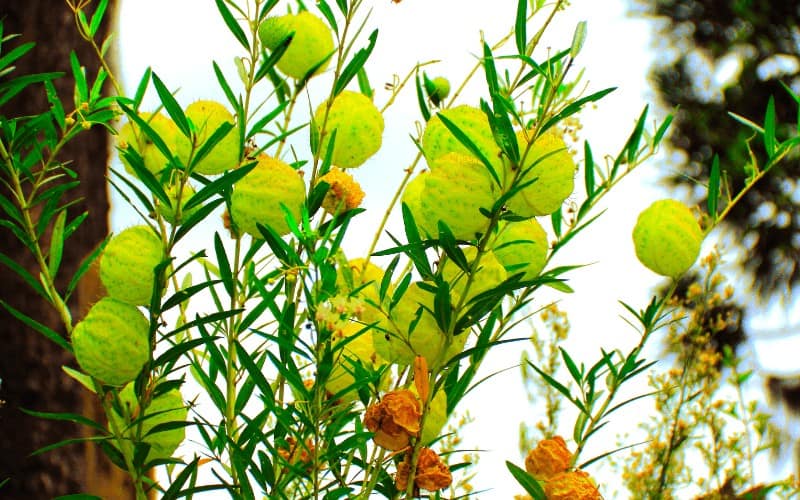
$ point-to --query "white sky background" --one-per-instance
(180, 38)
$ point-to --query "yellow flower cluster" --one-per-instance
(344, 192)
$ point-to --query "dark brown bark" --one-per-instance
(30, 365)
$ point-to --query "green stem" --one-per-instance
(672, 442)
(371, 473)
(746, 420)
(231, 373)
(126, 451)
(46, 280)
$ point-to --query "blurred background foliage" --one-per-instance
(721, 56)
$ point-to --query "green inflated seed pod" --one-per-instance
(127, 266)
(258, 196)
(165, 408)
(112, 342)
(311, 45)
(667, 238)
(358, 124)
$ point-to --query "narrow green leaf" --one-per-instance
(274, 56)
(178, 350)
(259, 125)
(78, 496)
(83, 21)
(450, 246)
(32, 323)
(15, 53)
(84, 266)
(531, 485)
(11, 210)
(442, 308)
(185, 294)
(588, 170)
(81, 378)
(204, 320)
(555, 384)
(232, 24)
(78, 73)
(497, 115)
(219, 185)
(355, 64)
(713, 188)
(428, 84)
(216, 360)
(140, 195)
(178, 481)
(571, 366)
(279, 248)
(255, 371)
(581, 420)
(141, 88)
(147, 178)
(56, 244)
(66, 417)
(113, 454)
(622, 448)
(363, 83)
(24, 274)
(469, 144)
(632, 145)
(574, 107)
(578, 37)
(289, 370)
(11, 88)
(662, 129)
(196, 218)
(223, 84)
(421, 101)
(74, 224)
(415, 251)
(214, 139)
(67, 442)
(769, 128)
(56, 107)
(326, 10)
(172, 107)
(223, 264)
(556, 219)
(744, 121)
(520, 27)
(97, 18)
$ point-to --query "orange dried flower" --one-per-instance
(432, 474)
(297, 454)
(572, 485)
(394, 419)
(550, 457)
(344, 192)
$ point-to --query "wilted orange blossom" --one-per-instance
(394, 419)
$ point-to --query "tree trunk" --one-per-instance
(30, 365)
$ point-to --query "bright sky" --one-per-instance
(180, 48)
